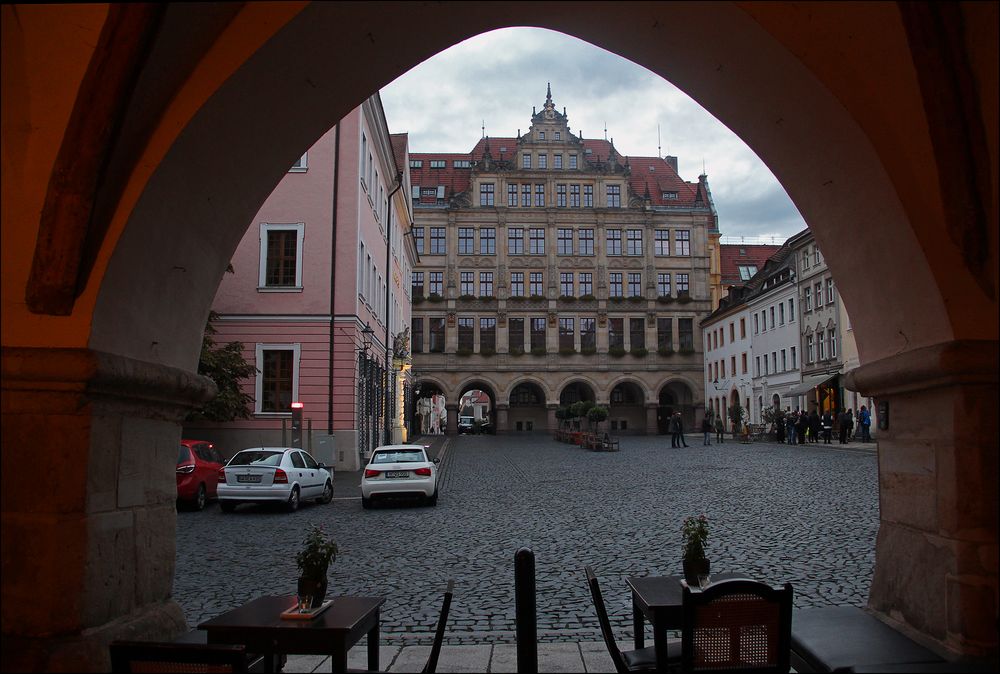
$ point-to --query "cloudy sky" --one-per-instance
(495, 77)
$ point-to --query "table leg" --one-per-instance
(338, 661)
(373, 638)
(660, 642)
(638, 625)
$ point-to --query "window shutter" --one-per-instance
(415, 191)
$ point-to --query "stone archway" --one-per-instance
(104, 301)
(627, 408)
(526, 409)
(490, 425)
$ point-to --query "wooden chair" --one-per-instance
(432, 659)
(737, 625)
(154, 656)
(641, 660)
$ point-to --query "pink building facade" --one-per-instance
(320, 298)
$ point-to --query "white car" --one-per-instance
(399, 470)
(274, 475)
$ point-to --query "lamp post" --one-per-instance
(365, 395)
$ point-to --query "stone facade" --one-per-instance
(553, 268)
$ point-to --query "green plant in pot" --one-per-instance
(695, 530)
(314, 561)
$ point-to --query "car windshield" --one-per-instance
(256, 457)
(183, 454)
(399, 456)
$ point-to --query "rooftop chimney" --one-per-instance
(672, 161)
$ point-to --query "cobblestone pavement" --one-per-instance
(805, 514)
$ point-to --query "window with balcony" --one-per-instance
(637, 333)
(538, 333)
(685, 333)
(417, 332)
(664, 336)
(588, 334)
(615, 284)
(616, 333)
(487, 335)
(466, 334)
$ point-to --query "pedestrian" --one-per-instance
(865, 421)
(842, 419)
(720, 430)
(850, 424)
(814, 426)
(827, 427)
(790, 428)
(779, 427)
(706, 428)
(680, 428)
(674, 434)
(801, 426)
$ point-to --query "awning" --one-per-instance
(808, 385)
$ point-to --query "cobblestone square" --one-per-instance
(806, 514)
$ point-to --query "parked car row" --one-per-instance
(288, 476)
(284, 475)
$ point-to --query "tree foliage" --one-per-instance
(226, 366)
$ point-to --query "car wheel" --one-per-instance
(293, 500)
(201, 499)
(366, 503)
(227, 507)
(327, 493)
(433, 498)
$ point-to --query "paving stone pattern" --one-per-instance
(807, 515)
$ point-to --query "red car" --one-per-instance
(198, 464)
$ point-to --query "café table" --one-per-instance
(659, 599)
(258, 625)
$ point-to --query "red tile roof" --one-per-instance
(648, 174)
(399, 142)
(730, 258)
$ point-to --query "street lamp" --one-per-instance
(366, 338)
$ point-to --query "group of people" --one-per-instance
(800, 427)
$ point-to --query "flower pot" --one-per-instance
(694, 568)
(314, 587)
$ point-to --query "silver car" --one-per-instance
(274, 475)
(399, 470)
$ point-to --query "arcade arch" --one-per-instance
(139, 282)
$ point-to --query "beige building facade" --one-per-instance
(554, 269)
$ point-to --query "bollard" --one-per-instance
(524, 611)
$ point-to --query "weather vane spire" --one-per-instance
(484, 128)
(548, 92)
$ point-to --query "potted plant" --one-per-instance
(314, 561)
(695, 531)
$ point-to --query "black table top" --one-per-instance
(345, 614)
(665, 591)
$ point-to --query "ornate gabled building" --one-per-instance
(553, 268)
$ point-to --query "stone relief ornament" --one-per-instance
(401, 344)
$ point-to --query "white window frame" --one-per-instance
(301, 165)
(296, 350)
(266, 227)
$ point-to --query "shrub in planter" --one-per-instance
(687, 349)
(639, 352)
(537, 297)
(616, 351)
(665, 299)
(567, 298)
(635, 299)
(417, 299)
(616, 299)
(434, 297)
(587, 298)
(466, 297)
(683, 298)
(464, 352)
(487, 298)
(597, 414)
(588, 350)
(516, 298)
(538, 351)
(665, 351)
(566, 351)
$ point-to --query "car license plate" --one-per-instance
(397, 473)
(248, 478)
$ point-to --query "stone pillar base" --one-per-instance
(88, 650)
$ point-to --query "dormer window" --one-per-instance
(746, 271)
(503, 149)
(668, 195)
(588, 151)
(541, 135)
(437, 163)
(460, 163)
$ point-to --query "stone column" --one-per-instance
(502, 420)
(651, 424)
(452, 410)
(936, 561)
(89, 555)
(550, 417)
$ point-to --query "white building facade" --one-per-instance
(773, 313)
(728, 377)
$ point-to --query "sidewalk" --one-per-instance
(585, 656)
